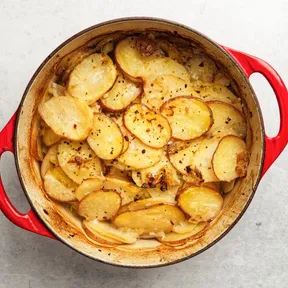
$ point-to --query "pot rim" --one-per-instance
(152, 19)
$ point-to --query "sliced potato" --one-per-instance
(154, 219)
(164, 88)
(116, 173)
(151, 128)
(92, 78)
(230, 159)
(67, 117)
(149, 202)
(127, 190)
(188, 117)
(57, 90)
(100, 205)
(184, 227)
(168, 194)
(121, 95)
(49, 161)
(105, 139)
(200, 203)
(227, 117)
(96, 236)
(107, 230)
(177, 238)
(162, 175)
(50, 138)
(78, 160)
(58, 186)
(115, 163)
(217, 92)
(139, 155)
(201, 67)
(135, 65)
(227, 187)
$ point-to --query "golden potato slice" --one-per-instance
(162, 175)
(226, 117)
(49, 161)
(121, 95)
(127, 190)
(216, 92)
(92, 78)
(201, 67)
(67, 117)
(108, 231)
(153, 219)
(139, 155)
(227, 187)
(200, 203)
(113, 172)
(188, 117)
(177, 238)
(90, 233)
(230, 159)
(135, 65)
(50, 138)
(151, 128)
(58, 186)
(184, 227)
(78, 160)
(168, 194)
(115, 163)
(164, 88)
(105, 139)
(149, 202)
(100, 205)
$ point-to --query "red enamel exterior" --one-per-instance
(274, 146)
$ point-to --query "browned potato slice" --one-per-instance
(121, 95)
(201, 67)
(177, 238)
(227, 186)
(162, 175)
(188, 117)
(49, 161)
(154, 219)
(135, 65)
(105, 139)
(58, 186)
(127, 190)
(92, 78)
(108, 231)
(181, 159)
(151, 128)
(184, 227)
(96, 236)
(50, 138)
(78, 160)
(67, 117)
(100, 205)
(149, 202)
(216, 92)
(226, 117)
(230, 159)
(200, 203)
(139, 155)
(163, 88)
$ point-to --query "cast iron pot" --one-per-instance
(45, 220)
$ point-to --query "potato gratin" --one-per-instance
(141, 137)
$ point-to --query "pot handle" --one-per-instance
(29, 221)
(251, 64)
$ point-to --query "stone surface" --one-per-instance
(255, 252)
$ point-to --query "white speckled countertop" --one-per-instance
(255, 252)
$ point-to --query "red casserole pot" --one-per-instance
(45, 220)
